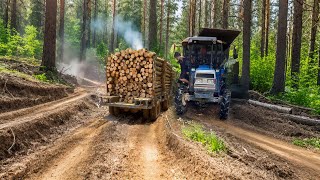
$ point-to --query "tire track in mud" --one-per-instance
(15, 118)
(297, 155)
(68, 164)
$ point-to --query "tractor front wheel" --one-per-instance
(224, 105)
(180, 102)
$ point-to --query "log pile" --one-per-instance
(137, 74)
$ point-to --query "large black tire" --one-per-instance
(155, 112)
(224, 105)
(115, 111)
(180, 105)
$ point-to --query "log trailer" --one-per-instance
(138, 80)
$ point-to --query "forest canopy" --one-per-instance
(279, 48)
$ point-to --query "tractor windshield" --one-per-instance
(205, 53)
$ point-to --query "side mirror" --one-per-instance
(235, 54)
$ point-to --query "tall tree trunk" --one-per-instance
(200, 13)
(84, 31)
(279, 73)
(190, 17)
(193, 28)
(89, 22)
(14, 15)
(267, 26)
(213, 13)
(49, 44)
(61, 30)
(296, 39)
(153, 25)
(263, 28)
(206, 13)
(319, 65)
(6, 13)
(144, 21)
(168, 29)
(241, 18)
(114, 4)
(161, 23)
(225, 14)
(245, 78)
(106, 29)
(315, 19)
(95, 15)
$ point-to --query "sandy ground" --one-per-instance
(88, 143)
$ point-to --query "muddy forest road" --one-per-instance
(96, 145)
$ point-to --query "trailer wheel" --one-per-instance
(146, 114)
(165, 105)
(155, 112)
(111, 110)
(224, 105)
(115, 111)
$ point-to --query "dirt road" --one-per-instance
(11, 119)
(126, 147)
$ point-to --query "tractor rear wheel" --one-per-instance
(180, 102)
(224, 105)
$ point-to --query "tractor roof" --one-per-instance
(225, 35)
(219, 35)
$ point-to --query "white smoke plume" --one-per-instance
(129, 34)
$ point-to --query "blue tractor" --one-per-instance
(207, 60)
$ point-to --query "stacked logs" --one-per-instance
(137, 74)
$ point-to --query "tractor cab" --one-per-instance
(206, 56)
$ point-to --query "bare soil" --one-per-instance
(73, 139)
(17, 93)
(33, 127)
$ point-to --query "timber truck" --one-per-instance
(207, 59)
(138, 80)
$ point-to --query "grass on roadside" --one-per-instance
(16, 73)
(308, 142)
(196, 133)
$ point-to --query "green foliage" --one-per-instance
(21, 46)
(308, 142)
(41, 77)
(102, 51)
(196, 133)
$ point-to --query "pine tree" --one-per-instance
(279, 73)
(61, 30)
(245, 79)
(153, 25)
(296, 38)
(112, 40)
(267, 27)
(95, 16)
(168, 30)
(314, 26)
(6, 13)
(14, 14)
(161, 23)
(225, 14)
(49, 45)
(263, 29)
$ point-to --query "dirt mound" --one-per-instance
(270, 122)
(17, 93)
(26, 136)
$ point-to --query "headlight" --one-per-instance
(210, 81)
(199, 81)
